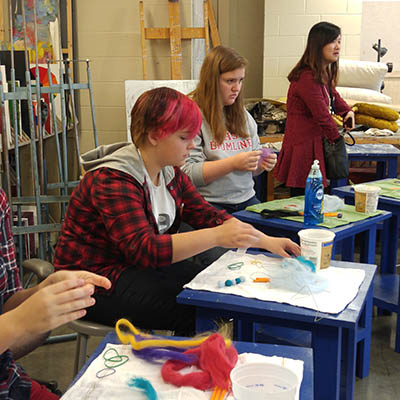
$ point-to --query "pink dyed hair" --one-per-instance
(164, 111)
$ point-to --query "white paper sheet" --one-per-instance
(343, 283)
(115, 386)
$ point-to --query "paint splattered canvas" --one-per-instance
(46, 11)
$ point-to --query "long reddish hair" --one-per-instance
(320, 35)
(164, 111)
(207, 94)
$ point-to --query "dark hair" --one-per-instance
(164, 111)
(319, 36)
(221, 118)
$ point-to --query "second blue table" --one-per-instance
(345, 235)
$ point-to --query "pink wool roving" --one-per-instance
(215, 361)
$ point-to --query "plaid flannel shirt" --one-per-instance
(109, 225)
(14, 383)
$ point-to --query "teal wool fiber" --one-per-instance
(145, 386)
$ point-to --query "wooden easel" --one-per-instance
(175, 33)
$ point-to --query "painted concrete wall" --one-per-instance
(287, 23)
(109, 34)
(380, 20)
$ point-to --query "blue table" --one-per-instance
(391, 229)
(345, 235)
(385, 155)
(297, 353)
(335, 337)
(387, 284)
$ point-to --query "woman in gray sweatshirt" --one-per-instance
(227, 153)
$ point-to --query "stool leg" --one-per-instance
(80, 352)
(397, 337)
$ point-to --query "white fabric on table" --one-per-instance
(115, 386)
(343, 283)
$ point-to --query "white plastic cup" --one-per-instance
(366, 198)
(263, 381)
(316, 246)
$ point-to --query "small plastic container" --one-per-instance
(266, 151)
(263, 381)
(316, 245)
(366, 198)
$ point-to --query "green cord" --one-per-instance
(116, 360)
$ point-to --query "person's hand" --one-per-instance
(282, 246)
(246, 160)
(268, 163)
(349, 121)
(54, 305)
(234, 233)
(86, 276)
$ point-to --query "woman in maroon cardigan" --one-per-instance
(312, 98)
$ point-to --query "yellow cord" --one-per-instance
(129, 337)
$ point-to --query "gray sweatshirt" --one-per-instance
(235, 187)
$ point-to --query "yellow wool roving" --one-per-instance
(379, 112)
(373, 122)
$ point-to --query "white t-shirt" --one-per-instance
(162, 203)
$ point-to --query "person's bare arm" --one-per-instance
(231, 234)
(60, 298)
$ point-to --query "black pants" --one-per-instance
(147, 298)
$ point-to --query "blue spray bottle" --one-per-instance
(314, 196)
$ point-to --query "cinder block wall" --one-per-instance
(287, 23)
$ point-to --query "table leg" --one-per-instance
(364, 336)
(389, 245)
(337, 183)
(348, 372)
(392, 168)
(270, 186)
(381, 170)
(244, 330)
(368, 243)
(327, 349)
(348, 249)
(204, 321)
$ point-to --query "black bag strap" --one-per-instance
(333, 111)
(353, 141)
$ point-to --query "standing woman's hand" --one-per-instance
(349, 121)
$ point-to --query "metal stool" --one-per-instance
(84, 329)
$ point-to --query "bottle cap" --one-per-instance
(315, 164)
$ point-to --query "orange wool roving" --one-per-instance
(215, 361)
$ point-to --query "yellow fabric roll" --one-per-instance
(338, 119)
(376, 122)
(380, 112)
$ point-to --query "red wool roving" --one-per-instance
(215, 361)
